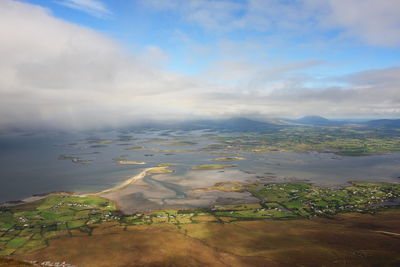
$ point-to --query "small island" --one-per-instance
(212, 166)
(168, 164)
(129, 162)
(229, 159)
(159, 170)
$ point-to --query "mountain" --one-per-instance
(232, 124)
(384, 123)
(242, 124)
(319, 121)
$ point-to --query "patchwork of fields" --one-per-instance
(29, 227)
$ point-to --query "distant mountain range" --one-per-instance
(321, 121)
(232, 124)
(249, 125)
(318, 120)
(239, 124)
(384, 123)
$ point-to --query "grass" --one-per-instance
(307, 200)
(28, 227)
(346, 141)
(347, 240)
(76, 224)
(45, 219)
(16, 242)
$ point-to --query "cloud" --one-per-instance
(92, 7)
(371, 21)
(62, 75)
(54, 73)
(376, 22)
(222, 15)
(372, 93)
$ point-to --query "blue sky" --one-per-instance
(72, 60)
(138, 25)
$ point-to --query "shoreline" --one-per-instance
(40, 196)
(126, 183)
(34, 197)
(142, 174)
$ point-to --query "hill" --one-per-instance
(318, 120)
(233, 124)
(384, 123)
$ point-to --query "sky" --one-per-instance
(82, 64)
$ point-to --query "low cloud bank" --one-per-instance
(60, 75)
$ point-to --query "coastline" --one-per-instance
(126, 183)
(40, 196)
(34, 198)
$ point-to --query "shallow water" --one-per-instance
(31, 165)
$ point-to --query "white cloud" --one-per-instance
(57, 74)
(372, 93)
(93, 7)
(375, 22)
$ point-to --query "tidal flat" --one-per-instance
(300, 215)
(130, 183)
(36, 160)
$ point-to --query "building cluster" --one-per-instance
(52, 264)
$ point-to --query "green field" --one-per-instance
(349, 141)
(29, 227)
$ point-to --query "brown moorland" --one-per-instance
(344, 240)
(6, 262)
